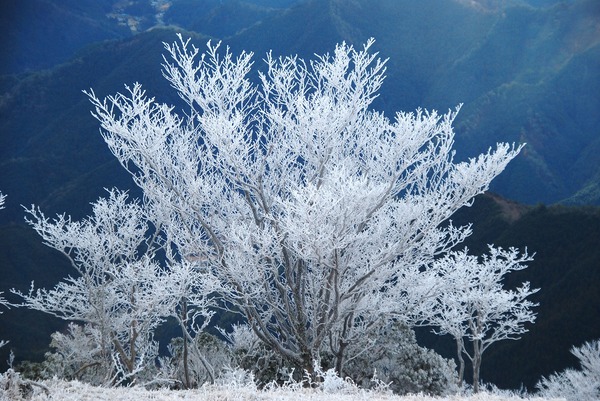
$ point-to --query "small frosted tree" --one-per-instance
(473, 305)
(313, 212)
(575, 385)
(120, 292)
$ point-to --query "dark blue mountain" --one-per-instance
(38, 34)
(525, 74)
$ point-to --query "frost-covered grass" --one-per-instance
(72, 391)
(14, 388)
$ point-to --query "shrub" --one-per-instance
(575, 385)
(393, 355)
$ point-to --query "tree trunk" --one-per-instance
(190, 340)
(476, 364)
(308, 363)
(461, 362)
(339, 358)
(186, 369)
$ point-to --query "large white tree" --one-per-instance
(119, 290)
(312, 211)
(473, 304)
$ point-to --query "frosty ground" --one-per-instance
(77, 391)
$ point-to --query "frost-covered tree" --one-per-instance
(312, 211)
(120, 292)
(75, 355)
(473, 305)
(575, 385)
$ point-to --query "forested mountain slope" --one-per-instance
(524, 74)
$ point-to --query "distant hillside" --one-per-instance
(39, 34)
(24, 259)
(222, 19)
(536, 80)
(52, 153)
(524, 74)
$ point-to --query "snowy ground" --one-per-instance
(76, 391)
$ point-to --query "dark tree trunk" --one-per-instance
(476, 365)
(186, 368)
(339, 358)
(461, 362)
